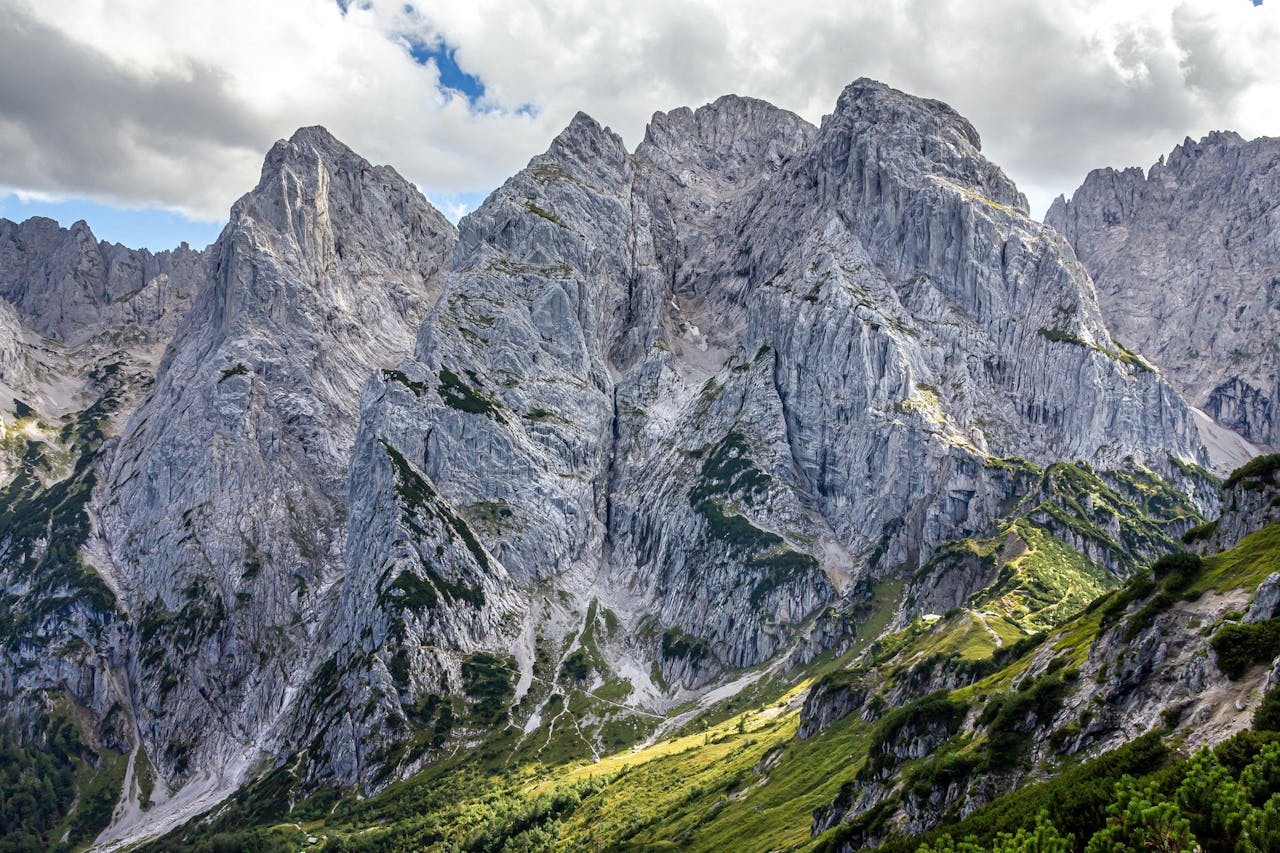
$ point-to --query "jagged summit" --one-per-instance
(227, 492)
(734, 138)
(1190, 148)
(714, 123)
(921, 136)
(314, 140)
(878, 103)
(583, 142)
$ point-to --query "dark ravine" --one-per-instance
(654, 435)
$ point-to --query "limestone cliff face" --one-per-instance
(1185, 263)
(710, 385)
(220, 515)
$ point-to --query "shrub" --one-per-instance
(1267, 717)
(934, 710)
(1175, 572)
(1200, 532)
(1239, 647)
(486, 679)
(1141, 819)
(1258, 469)
(1114, 605)
(1170, 576)
(1010, 718)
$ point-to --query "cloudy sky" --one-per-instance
(149, 117)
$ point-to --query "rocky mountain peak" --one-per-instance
(1189, 150)
(309, 146)
(325, 212)
(733, 140)
(920, 136)
(225, 499)
(587, 148)
(872, 103)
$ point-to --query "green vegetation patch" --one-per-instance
(1244, 565)
(1242, 646)
(52, 783)
(238, 369)
(492, 516)
(677, 645)
(459, 395)
(1120, 353)
(1169, 579)
(544, 213)
(45, 527)
(418, 496)
(418, 388)
(729, 471)
(1012, 717)
(937, 714)
(487, 682)
(1139, 797)
(1200, 532)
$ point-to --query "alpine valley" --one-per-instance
(765, 487)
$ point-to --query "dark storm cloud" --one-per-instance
(72, 120)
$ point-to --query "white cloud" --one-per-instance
(156, 102)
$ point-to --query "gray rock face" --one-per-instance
(15, 358)
(220, 515)
(710, 385)
(67, 285)
(829, 701)
(1185, 263)
(1265, 601)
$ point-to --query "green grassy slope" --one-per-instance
(747, 782)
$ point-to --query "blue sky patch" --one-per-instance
(144, 228)
(451, 74)
(454, 206)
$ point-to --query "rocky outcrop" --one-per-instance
(830, 700)
(220, 515)
(1250, 501)
(15, 361)
(1184, 259)
(1266, 601)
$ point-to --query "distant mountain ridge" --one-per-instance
(1184, 258)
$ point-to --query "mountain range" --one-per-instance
(768, 484)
